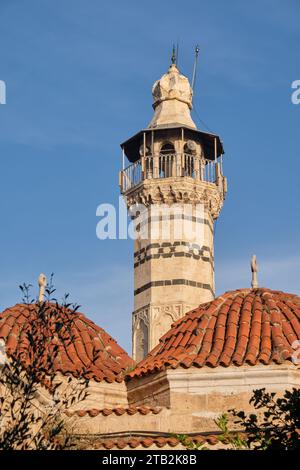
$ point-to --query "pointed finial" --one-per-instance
(254, 269)
(174, 58)
(42, 286)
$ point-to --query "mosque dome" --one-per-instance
(76, 339)
(241, 327)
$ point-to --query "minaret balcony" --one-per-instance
(171, 166)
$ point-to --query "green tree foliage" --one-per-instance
(26, 422)
(276, 426)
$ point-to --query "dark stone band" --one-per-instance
(173, 245)
(179, 254)
(173, 282)
(161, 218)
(169, 250)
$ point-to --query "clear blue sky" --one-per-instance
(79, 77)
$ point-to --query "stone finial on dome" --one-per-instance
(172, 100)
(42, 286)
(254, 269)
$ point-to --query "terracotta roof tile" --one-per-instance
(121, 443)
(172, 442)
(240, 327)
(133, 443)
(147, 442)
(160, 441)
(156, 441)
(107, 445)
(119, 411)
(94, 412)
(75, 348)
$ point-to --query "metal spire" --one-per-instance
(177, 54)
(197, 50)
(174, 58)
(254, 269)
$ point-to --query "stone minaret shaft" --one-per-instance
(175, 189)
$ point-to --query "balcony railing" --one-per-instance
(169, 166)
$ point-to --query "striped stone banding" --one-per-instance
(173, 282)
(169, 250)
(175, 244)
(182, 217)
(169, 255)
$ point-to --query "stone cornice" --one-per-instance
(235, 379)
(177, 190)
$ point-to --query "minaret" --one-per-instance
(174, 187)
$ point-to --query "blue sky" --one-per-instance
(79, 77)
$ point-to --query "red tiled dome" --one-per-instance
(76, 345)
(240, 327)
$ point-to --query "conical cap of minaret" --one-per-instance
(172, 100)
